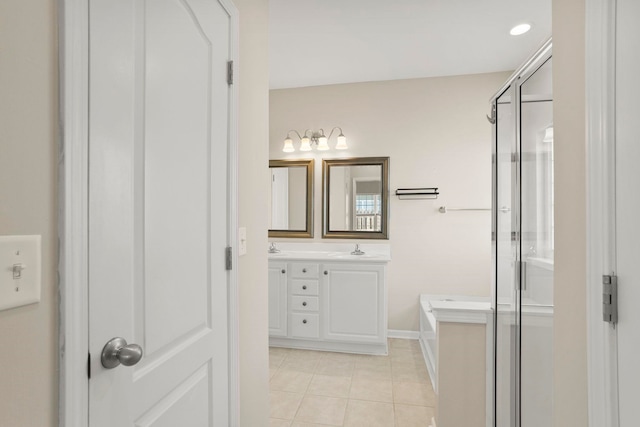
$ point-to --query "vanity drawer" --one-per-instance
(300, 303)
(304, 287)
(302, 270)
(305, 325)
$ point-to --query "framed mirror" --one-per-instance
(355, 196)
(291, 200)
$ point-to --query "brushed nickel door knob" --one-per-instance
(117, 352)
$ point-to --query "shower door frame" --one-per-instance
(513, 85)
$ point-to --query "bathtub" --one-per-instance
(448, 308)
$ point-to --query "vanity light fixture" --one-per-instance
(311, 137)
(520, 29)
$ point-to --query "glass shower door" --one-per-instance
(505, 209)
(536, 247)
(523, 251)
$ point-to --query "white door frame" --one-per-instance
(73, 24)
(600, 107)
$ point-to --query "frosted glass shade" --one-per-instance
(322, 143)
(305, 144)
(288, 146)
(342, 142)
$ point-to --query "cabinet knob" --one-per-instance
(304, 270)
(284, 271)
(304, 303)
(326, 272)
(304, 287)
(304, 321)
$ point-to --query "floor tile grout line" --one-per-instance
(393, 367)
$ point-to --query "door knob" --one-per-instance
(117, 352)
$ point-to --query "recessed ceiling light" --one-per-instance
(520, 29)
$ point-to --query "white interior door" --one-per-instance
(159, 210)
(628, 207)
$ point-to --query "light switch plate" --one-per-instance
(20, 270)
(242, 241)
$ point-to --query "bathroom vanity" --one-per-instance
(328, 299)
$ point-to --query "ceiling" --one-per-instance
(320, 42)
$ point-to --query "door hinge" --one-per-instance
(610, 298)
(230, 72)
(89, 366)
(228, 258)
(492, 117)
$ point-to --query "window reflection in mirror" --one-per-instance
(355, 197)
(291, 210)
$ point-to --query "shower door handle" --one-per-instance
(521, 275)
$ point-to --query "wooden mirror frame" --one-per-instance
(384, 185)
(308, 231)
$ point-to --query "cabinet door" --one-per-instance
(278, 299)
(354, 303)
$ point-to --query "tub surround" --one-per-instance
(456, 341)
(321, 297)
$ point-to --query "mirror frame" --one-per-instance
(308, 231)
(356, 161)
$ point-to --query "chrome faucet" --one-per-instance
(273, 249)
(357, 251)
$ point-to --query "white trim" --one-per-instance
(233, 294)
(600, 107)
(429, 361)
(490, 370)
(73, 223)
(462, 316)
(73, 216)
(401, 334)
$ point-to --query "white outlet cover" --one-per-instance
(24, 254)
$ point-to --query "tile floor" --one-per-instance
(315, 388)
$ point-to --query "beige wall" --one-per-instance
(253, 156)
(435, 132)
(570, 343)
(28, 154)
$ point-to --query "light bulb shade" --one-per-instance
(322, 143)
(548, 134)
(342, 142)
(288, 146)
(305, 144)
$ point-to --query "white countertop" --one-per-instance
(332, 252)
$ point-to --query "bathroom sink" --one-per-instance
(281, 254)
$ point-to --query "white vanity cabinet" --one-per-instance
(278, 299)
(355, 303)
(328, 305)
(304, 301)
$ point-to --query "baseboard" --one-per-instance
(407, 335)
